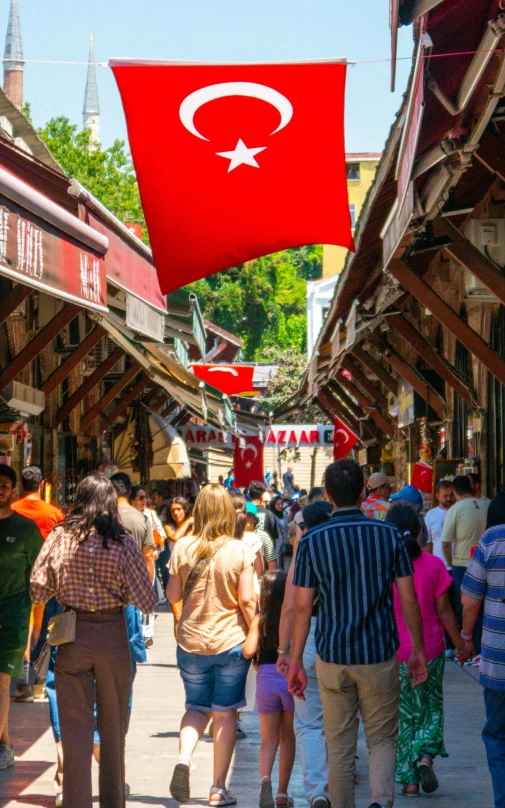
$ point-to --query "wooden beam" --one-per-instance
(366, 423)
(88, 385)
(66, 367)
(411, 376)
(368, 386)
(346, 400)
(337, 410)
(12, 300)
(374, 367)
(127, 399)
(38, 343)
(112, 393)
(169, 410)
(445, 315)
(381, 421)
(427, 352)
(160, 401)
(469, 257)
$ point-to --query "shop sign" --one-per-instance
(36, 254)
(143, 319)
(284, 436)
(363, 457)
(406, 412)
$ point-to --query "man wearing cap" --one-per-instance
(376, 504)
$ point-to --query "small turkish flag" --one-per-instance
(422, 477)
(230, 379)
(248, 462)
(343, 440)
(236, 161)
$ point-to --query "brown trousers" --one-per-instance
(96, 666)
(374, 690)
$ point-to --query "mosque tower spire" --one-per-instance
(13, 57)
(91, 109)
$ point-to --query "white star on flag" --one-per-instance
(248, 464)
(241, 155)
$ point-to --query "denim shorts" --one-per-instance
(214, 682)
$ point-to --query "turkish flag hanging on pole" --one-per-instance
(343, 440)
(230, 379)
(248, 462)
(236, 161)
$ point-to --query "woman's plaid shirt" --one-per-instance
(83, 574)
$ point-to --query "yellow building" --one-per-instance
(360, 173)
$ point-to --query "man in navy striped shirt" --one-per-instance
(351, 562)
(484, 581)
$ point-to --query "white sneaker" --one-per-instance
(6, 756)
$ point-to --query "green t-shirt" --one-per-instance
(464, 526)
(20, 543)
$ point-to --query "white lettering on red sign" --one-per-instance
(30, 251)
(90, 278)
(4, 232)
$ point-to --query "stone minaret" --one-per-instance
(91, 109)
(13, 69)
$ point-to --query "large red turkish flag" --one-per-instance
(343, 440)
(422, 477)
(248, 462)
(236, 161)
(230, 379)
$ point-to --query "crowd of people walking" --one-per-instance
(338, 605)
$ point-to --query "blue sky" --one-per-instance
(208, 30)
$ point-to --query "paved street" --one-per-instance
(152, 745)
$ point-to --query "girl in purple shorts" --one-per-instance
(274, 703)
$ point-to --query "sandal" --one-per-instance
(406, 793)
(266, 799)
(179, 786)
(429, 780)
(284, 801)
(227, 797)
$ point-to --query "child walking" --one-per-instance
(274, 704)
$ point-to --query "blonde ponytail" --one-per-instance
(214, 516)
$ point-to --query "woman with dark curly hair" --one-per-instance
(94, 568)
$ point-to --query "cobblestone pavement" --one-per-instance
(152, 745)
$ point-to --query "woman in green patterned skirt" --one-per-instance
(422, 708)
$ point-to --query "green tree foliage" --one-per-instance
(285, 383)
(263, 301)
(107, 173)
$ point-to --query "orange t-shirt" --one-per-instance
(45, 515)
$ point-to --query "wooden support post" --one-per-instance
(469, 257)
(426, 351)
(369, 387)
(66, 367)
(12, 300)
(127, 399)
(445, 315)
(88, 385)
(38, 343)
(374, 367)
(381, 421)
(410, 375)
(110, 395)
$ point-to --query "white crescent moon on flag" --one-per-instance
(250, 89)
(341, 442)
(224, 370)
(252, 447)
